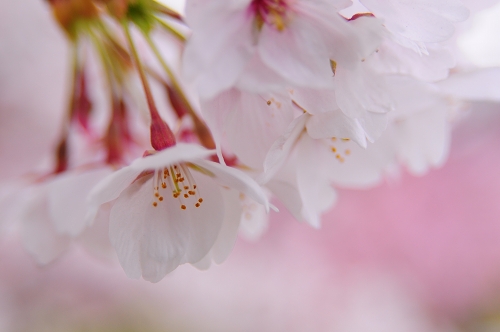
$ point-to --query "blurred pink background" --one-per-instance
(414, 254)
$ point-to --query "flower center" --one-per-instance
(176, 180)
(272, 12)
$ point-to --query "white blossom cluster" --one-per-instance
(263, 100)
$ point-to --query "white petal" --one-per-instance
(39, 237)
(249, 123)
(361, 90)
(260, 78)
(374, 125)
(345, 42)
(253, 126)
(297, 53)
(302, 183)
(411, 96)
(229, 229)
(95, 239)
(224, 73)
(479, 85)
(288, 194)
(424, 21)
(281, 148)
(220, 46)
(12, 197)
(149, 241)
(205, 221)
(215, 112)
(67, 199)
(235, 179)
(361, 168)
(369, 32)
(109, 189)
(423, 140)
(204, 263)
(178, 153)
(335, 124)
(254, 220)
(396, 59)
(317, 195)
(315, 101)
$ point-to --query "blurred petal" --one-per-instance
(39, 237)
(66, 199)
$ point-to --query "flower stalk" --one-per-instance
(162, 136)
(180, 102)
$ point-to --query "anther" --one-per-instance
(164, 185)
(194, 186)
(186, 196)
(183, 207)
(268, 102)
(155, 204)
(191, 192)
(156, 194)
(160, 198)
(200, 200)
(186, 187)
(347, 152)
(197, 204)
(333, 149)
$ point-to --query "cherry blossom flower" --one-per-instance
(254, 128)
(169, 209)
(266, 44)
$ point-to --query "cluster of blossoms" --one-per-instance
(197, 121)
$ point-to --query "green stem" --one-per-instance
(168, 71)
(176, 33)
(147, 89)
(164, 9)
(106, 61)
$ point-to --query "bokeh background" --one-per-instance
(414, 254)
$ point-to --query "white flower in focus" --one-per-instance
(170, 209)
(260, 45)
